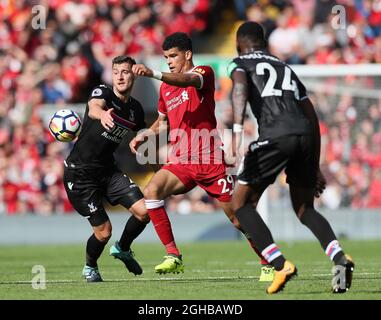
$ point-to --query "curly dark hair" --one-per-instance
(178, 40)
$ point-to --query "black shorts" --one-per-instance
(86, 188)
(266, 159)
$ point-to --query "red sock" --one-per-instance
(263, 260)
(162, 225)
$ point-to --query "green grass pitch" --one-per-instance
(213, 270)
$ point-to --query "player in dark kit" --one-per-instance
(91, 175)
(289, 138)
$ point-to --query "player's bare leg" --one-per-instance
(303, 203)
(163, 184)
(267, 270)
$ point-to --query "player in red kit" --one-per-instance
(186, 100)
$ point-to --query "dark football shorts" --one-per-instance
(87, 188)
(266, 159)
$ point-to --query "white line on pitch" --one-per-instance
(177, 279)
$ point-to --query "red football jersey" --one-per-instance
(190, 111)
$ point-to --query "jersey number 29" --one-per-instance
(227, 184)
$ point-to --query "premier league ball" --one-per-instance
(65, 125)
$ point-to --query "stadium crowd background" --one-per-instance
(60, 65)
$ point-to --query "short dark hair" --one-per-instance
(252, 31)
(177, 40)
(123, 59)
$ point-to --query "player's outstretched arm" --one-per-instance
(97, 112)
(158, 126)
(174, 79)
(239, 101)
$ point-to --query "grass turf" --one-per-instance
(213, 270)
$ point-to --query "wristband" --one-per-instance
(157, 75)
(237, 127)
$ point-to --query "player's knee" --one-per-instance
(235, 222)
(103, 235)
(151, 191)
(254, 203)
(142, 216)
(236, 204)
(303, 213)
(239, 204)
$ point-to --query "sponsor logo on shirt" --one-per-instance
(176, 101)
(116, 134)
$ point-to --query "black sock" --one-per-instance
(278, 263)
(253, 225)
(94, 249)
(322, 230)
(134, 227)
(340, 259)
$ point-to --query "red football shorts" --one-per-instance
(210, 177)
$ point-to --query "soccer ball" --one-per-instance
(65, 125)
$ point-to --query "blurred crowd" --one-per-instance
(319, 31)
(54, 52)
(351, 151)
(60, 62)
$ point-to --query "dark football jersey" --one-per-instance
(95, 145)
(273, 94)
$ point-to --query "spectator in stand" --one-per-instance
(373, 157)
(241, 7)
(283, 41)
(257, 14)
(54, 88)
(374, 195)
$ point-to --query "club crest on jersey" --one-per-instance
(96, 92)
(184, 95)
(92, 207)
